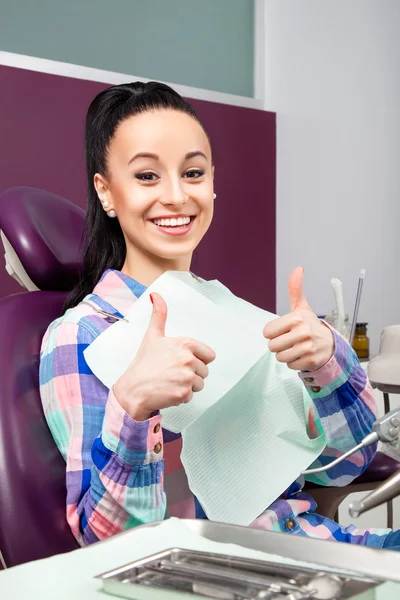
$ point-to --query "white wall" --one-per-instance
(332, 74)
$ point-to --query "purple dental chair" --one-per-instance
(41, 233)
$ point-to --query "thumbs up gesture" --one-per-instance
(299, 338)
(165, 372)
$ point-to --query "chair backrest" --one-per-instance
(45, 231)
(32, 471)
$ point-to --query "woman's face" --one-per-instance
(160, 183)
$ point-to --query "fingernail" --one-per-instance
(151, 298)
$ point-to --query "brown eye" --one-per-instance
(147, 176)
(194, 173)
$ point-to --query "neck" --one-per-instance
(147, 268)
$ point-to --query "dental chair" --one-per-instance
(41, 233)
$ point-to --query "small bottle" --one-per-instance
(361, 341)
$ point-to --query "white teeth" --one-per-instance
(172, 222)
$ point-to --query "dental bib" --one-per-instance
(245, 434)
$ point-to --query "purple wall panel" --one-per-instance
(41, 132)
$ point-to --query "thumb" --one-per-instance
(295, 287)
(158, 319)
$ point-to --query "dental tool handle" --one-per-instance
(357, 306)
(383, 493)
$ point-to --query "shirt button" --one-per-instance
(316, 389)
(157, 448)
(290, 524)
(157, 428)
(309, 379)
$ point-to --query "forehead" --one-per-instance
(162, 132)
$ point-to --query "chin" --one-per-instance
(174, 254)
(176, 250)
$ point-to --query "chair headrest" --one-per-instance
(42, 234)
(384, 369)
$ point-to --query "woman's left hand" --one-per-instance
(299, 338)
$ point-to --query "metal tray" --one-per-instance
(229, 578)
(383, 565)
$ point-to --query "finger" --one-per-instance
(282, 325)
(201, 369)
(299, 365)
(295, 287)
(187, 398)
(298, 352)
(158, 319)
(286, 341)
(200, 350)
(198, 384)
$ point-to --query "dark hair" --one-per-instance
(103, 242)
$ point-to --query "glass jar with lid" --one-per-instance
(361, 341)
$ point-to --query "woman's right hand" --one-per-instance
(165, 372)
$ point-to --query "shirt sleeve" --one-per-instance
(344, 407)
(114, 465)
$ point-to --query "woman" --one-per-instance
(150, 177)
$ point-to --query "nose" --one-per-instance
(174, 193)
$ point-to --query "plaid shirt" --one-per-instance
(121, 473)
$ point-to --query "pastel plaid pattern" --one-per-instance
(121, 473)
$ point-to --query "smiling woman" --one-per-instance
(169, 177)
(149, 166)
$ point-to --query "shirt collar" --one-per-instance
(118, 290)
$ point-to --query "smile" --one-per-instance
(174, 225)
(172, 222)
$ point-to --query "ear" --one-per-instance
(101, 187)
(212, 172)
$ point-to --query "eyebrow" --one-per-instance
(188, 156)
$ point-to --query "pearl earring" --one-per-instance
(106, 204)
(215, 195)
(112, 214)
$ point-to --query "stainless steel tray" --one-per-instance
(229, 578)
(383, 565)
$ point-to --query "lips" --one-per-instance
(174, 226)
